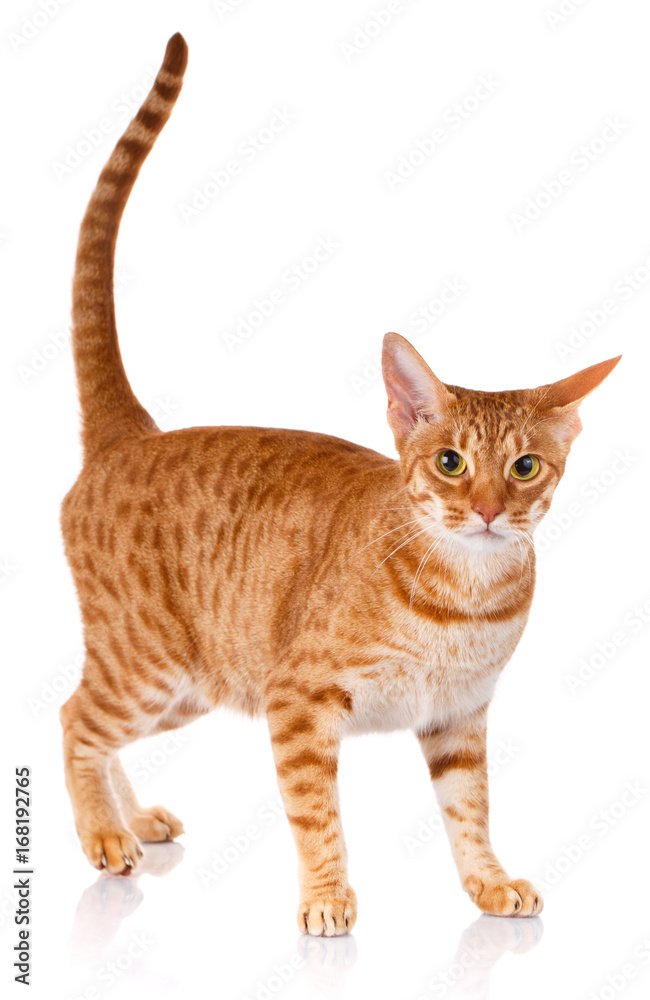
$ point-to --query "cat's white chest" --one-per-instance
(440, 675)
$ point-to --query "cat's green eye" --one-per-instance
(451, 463)
(525, 467)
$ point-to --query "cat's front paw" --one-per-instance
(519, 898)
(118, 850)
(328, 916)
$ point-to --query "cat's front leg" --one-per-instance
(457, 761)
(305, 747)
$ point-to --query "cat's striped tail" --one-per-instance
(109, 408)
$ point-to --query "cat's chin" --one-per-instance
(483, 540)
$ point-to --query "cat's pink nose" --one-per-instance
(488, 511)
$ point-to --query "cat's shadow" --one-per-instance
(105, 904)
(326, 962)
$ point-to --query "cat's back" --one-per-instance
(194, 485)
(176, 465)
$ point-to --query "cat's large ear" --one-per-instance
(413, 390)
(565, 396)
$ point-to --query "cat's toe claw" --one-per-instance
(156, 824)
(328, 916)
(532, 903)
(519, 898)
(117, 852)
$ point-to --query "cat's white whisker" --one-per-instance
(420, 570)
(415, 520)
(410, 538)
(539, 401)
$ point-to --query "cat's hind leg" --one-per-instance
(148, 823)
(93, 731)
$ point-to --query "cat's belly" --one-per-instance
(443, 679)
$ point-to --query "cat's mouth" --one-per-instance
(486, 535)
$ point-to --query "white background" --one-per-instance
(559, 756)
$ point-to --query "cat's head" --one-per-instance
(484, 464)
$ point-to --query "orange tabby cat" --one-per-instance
(297, 575)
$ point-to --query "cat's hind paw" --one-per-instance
(155, 824)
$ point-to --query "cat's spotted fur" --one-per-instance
(296, 575)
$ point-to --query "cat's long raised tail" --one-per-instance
(108, 405)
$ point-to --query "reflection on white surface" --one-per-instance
(326, 964)
(105, 904)
(323, 965)
(481, 946)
